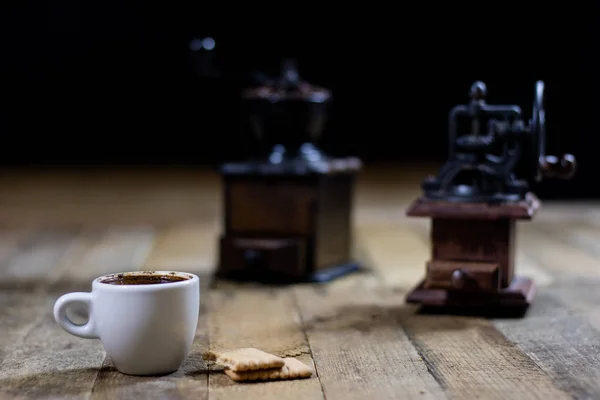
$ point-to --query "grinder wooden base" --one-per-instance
(516, 298)
(289, 222)
(472, 262)
(263, 276)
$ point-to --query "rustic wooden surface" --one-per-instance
(59, 230)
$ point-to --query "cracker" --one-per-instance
(293, 369)
(245, 359)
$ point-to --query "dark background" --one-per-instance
(105, 83)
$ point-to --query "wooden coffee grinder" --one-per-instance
(475, 201)
(287, 213)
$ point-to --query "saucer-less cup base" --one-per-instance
(145, 329)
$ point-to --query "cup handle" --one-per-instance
(86, 330)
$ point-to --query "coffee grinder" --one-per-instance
(474, 202)
(287, 212)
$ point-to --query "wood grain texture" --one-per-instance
(359, 349)
(58, 231)
(562, 330)
(187, 247)
(108, 196)
(35, 260)
(12, 241)
(394, 253)
(561, 340)
(558, 257)
(22, 300)
(472, 359)
(581, 235)
(41, 360)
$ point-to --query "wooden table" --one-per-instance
(62, 229)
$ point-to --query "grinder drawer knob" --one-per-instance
(458, 278)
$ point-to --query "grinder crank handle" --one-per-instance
(561, 168)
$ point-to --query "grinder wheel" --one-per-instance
(538, 132)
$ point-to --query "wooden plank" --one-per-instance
(567, 211)
(584, 236)
(397, 253)
(36, 258)
(50, 363)
(267, 319)
(559, 258)
(42, 360)
(561, 334)
(471, 359)
(22, 302)
(11, 242)
(102, 198)
(360, 350)
(526, 266)
(581, 296)
(562, 328)
(187, 248)
(18, 312)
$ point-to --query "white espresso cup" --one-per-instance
(146, 320)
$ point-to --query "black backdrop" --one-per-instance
(102, 83)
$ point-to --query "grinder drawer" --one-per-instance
(279, 258)
(463, 275)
